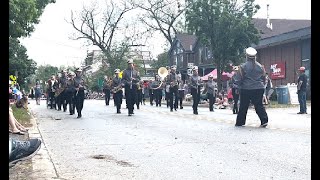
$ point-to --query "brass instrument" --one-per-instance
(162, 72)
(59, 91)
(117, 89)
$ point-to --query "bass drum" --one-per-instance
(167, 88)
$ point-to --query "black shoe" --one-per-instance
(23, 150)
(300, 113)
(211, 110)
(195, 112)
(239, 125)
(79, 116)
(64, 110)
(175, 109)
(264, 124)
(171, 110)
(181, 107)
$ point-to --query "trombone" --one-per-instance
(162, 72)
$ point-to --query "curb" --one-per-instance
(42, 165)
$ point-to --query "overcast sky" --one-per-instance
(50, 43)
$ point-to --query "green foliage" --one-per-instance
(19, 61)
(161, 62)
(23, 14)
(44, 72)
(224, 26)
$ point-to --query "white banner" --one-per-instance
(293, 96)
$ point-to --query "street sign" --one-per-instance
(145, 78)
(190, 65)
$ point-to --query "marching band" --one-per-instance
(69, 88)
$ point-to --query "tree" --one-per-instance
(23, 14)
(107, 32)
(19, 61)
(161, 62)
(162, 16)
(44, 72)
(225, 26)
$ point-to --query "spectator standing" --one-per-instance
(302, 90)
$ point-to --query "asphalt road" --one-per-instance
(155, 143)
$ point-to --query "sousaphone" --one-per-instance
(162, 72)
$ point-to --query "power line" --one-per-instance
(57, 43)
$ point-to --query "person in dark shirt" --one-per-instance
(302, 90)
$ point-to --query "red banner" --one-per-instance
(278, 70)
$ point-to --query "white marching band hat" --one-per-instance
(117, 71)
(195, 68)
(251, 52)
(130, 61)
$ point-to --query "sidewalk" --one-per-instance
(40, 166)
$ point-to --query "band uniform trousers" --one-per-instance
(52, 100)
(118, 100)
(151, 96)
(70, 100)
(130, 97)
(166, 95)
(139, 98)
(158, 96)
(255, 96)
(173, 93)
(181, 97)
(79, 100)
(107, 96)
(61, 101)
(235, 101)
(196, 98)
(212, 100)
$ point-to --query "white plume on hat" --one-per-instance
(251, 52)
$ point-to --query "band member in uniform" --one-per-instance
(117, 90)
(195, 85)
(172, 80)
(61, 98)
(70, 92)
(139, 94)
(250, 79)
(130, 77)
(167, 89)
(181, 91)
(52, 86)
(151, 93)
(106, 89)
(235, 92)
(79, 95)
(209, 88)
(158, 90)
